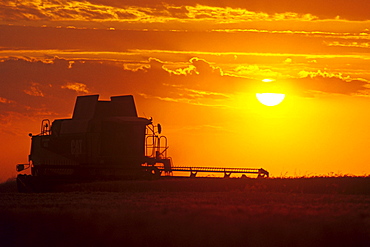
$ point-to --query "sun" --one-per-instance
(270, 99)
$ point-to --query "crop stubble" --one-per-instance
(191, 212)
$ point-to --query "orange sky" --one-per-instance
(195, 67)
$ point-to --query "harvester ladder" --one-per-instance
(155, 145)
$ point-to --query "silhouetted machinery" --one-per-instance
(102, 140)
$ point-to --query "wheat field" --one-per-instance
(326, 211)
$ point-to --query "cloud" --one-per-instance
(350, 44)
(325, 82)
(124, 14)
(203, 67)
(77, 87)
(42, 88)
(33, 85)
(5, 101)
(133, 44)
(235, 15)
(34, 90)
(254, 71)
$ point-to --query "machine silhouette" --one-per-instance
(104, 140)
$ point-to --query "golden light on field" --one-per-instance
(270, 99)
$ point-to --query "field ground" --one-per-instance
(191, 212)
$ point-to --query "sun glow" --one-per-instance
(270, 99)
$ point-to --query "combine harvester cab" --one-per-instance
(104, 140)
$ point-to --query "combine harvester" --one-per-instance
(104, 140)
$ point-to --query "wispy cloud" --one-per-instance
(34, 90)
(87, 11)
(232, 15)
(349, 44)
(365, 35)
(77, 87)
(5, 101)
(75, 13)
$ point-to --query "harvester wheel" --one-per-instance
(153, 172)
